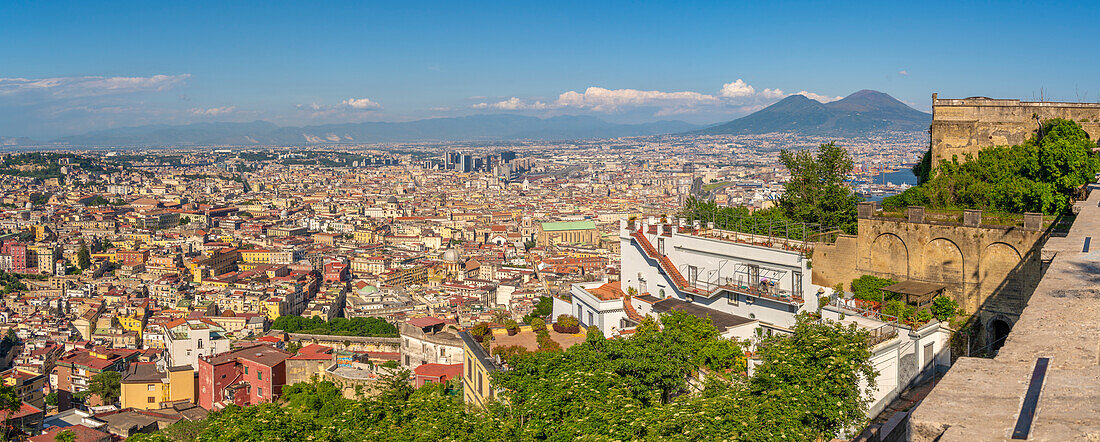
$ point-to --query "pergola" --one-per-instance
(916, 293)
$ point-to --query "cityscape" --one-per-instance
(218, 246)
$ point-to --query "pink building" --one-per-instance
(246, 376)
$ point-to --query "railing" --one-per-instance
(883, 333)
(705, 288)
(775, 242)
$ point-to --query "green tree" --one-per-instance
(10, 402)
(811, 379)
(65, 436)
(106, 385)
(869, 288)
(1039, 175)
(816, 192)
(84, 257)
(944, 308)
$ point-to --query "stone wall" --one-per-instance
(962, 126)
(990, 269)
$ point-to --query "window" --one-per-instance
(693, 275)
(591, 319)
(245, 370)
(200, 344)
(731, 297)
(259, 375)
(442, 352)
(151, 387)
(260, 392)
(150, 399)
(469, 368)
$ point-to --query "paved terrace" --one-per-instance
(982, 399)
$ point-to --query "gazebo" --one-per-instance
(917, 293)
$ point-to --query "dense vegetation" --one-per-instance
(806, 388)
(1040, 175)
(336, 327)
(44, 165)
(869, 288)
(816, 195)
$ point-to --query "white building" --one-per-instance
(753, 276)
(185, 340)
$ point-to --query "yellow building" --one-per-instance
(364, 236)
(143, 387)
(256, 256)
(476, 387)
(274, 307)
(134, 323)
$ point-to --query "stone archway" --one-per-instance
(995, 271)
(943, 261)
(889, 256)
(997, 330)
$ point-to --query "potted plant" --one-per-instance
(479, 331)
(511, 326)
(567, 324)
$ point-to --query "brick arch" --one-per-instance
(889, 255)
(943, 261)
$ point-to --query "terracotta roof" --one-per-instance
(448, 371)
(424, 322)
(607, 292)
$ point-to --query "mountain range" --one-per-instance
(469, 128)
(859, 113)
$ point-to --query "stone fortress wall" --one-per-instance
(988, 269)
(967, 125)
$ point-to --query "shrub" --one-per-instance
(509, 352)
(869, 288)
(898, 308)
(479, 330)
(567, 324)
(944, 308)
(538, 324)
(923, 316)
(512, 326)
(547, 344)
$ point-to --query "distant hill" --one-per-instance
(861, 112)
(470, 128)
(6, 142)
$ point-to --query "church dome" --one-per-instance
(451, 255)
(391, 200)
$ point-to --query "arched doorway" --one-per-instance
(998, 332)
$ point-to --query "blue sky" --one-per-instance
(71, 67)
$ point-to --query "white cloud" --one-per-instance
(737, 89)
(903, 72)
(818, 97)
(599, 99)
(214, 111)
(361, 103)
(89, 86)
(513, 103)
(734, 97)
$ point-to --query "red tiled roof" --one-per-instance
(448, 371)
(424, 322)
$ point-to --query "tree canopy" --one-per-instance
(336, 327)
(1039, 175)
(816, 194)
(673, 380)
